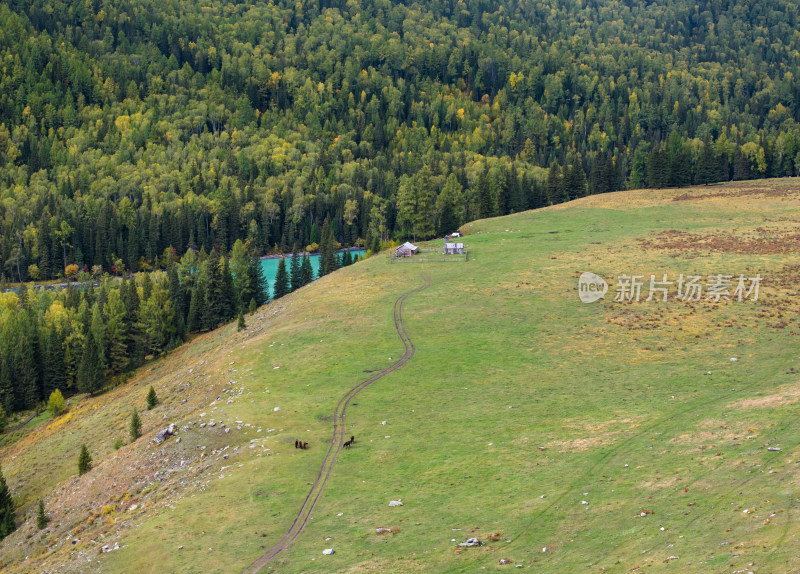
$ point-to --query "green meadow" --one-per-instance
(611, 436)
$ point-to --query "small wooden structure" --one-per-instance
(453, 248)
(406, 250)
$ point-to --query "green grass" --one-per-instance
(521, 402)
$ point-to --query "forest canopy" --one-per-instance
(133, 126)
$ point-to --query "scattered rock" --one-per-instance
(774, 449)
(164, 434)
(504, 561)
(471, 542)
(383, 530)
(276, 409)
(734, 359)
(395, 503)
(328, 551)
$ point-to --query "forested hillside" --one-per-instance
(132, 126)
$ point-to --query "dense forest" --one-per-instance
(134, 126)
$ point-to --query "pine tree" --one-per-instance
(41, 516)
(3, 419)
(241, 326)
(554, 184)
(53, 371)
(7, 525)
(259, 282)
(194, 321)
(228, 293)
(347, 258)
(90, 372)
(116, 332)
(84, 461)
(252, 307)
(212, 310)
(706, 164)
(306, 271)
(282, 286)
(136, 424)
(294, 270)
(152, 399)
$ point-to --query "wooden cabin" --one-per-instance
(406, 250)
(453, 248)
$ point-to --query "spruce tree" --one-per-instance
(252, 307)
(152, 399)
(282, 286)
(294, 270)
(554, 184)
(3, 419)
(41, 516)
(7, 525)
(347, 258)
(53, 372)
(259, 282)
(84, 461)
(194, 321)
(306, 271)
(90, 371)
(241, 326)
(228, 293)
(136, 425)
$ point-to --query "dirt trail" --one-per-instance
(335, 447)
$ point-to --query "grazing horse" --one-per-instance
(349, 442)
(304, 446)
(296, 443)
(346, 444)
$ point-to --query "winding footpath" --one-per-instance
(338, 438)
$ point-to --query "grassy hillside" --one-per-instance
(520, 404)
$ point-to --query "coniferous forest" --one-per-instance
(138, 135)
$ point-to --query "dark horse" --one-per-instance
(349, 442)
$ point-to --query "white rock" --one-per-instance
(734, 359)
(328, 551)
(276, 409)
(396, 503)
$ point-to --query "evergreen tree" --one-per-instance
(3, 419)
(554, 184)
(252, 307)
(7, 524)
(306, 271)
(282, 286)
(116, 332)
(41, 516)
(241, 326)
(228, 293)
(136, 425)
(294, 270)
(347, 258)
(706, 164)
(194, 322)
(152, 399)
(259, 282)
(53, 370)
(90, 371)
(212, 311)
(84, 461)
(657, 175)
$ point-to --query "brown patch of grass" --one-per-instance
(760, 241)
(787, 395)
